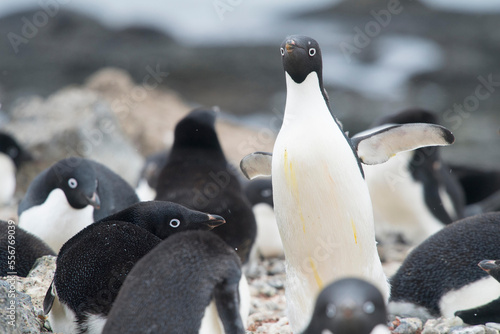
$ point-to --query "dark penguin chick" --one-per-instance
(170, 289)
(28, 248)
(489, 312)
(349, 306)
(148, 177)
(90, 269)
(12, 155)
(268, 241)
(165, 218)
(414, 193)
(198, 176)
(70, 195)
(441, 277)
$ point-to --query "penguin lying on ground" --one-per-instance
(440, 277)
(260, 194)
(92, 265)
(12, 156)
(170, 289)
(148, 178)
(350, 306)
(198, 176)
(27, 249)
(70, 195)
(413, 193)
(321, 200)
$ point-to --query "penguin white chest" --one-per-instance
(7, 179)
(322, 204)
(55, 221)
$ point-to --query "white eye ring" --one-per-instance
(175, 223)
(331, 310)
(282, 51)
(312, 51)
(72, 183)
(368, 307)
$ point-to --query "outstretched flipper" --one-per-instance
(256, 164)
(379, 146)
(227, 301)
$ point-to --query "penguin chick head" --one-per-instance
(348, 305)
(78, 179)
(172, 218)
(301, 55)
(197, 130)
(10, 147)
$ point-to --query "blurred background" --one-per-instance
(379, 57)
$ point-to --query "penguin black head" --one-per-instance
(301, 55)
(77, 178)
(348, 305)
(164, 218)
(10, 147)
(409, 116)
(492, 267)
(197, 129)
(260, 190)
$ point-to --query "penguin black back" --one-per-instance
(349, 305)
(92, 266)
(184, 272)
(28, 248)
(198, 176)
(165, 218)
(447, 261)
(10, 147)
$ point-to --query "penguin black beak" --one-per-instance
(95, 201)
(214, 221)
(488, 265)
(290, 45)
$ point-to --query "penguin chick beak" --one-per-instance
(488, 265)
(290, 46)
(214, 221)
(95, 201)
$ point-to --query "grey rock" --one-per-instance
(442, 325)
(16, 310)
(408, 325)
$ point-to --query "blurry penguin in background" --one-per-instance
(148, 177)
(12, 156)
(268, 241)
(413, 193)
(70, 195)
(198, 176)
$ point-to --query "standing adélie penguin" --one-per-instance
(321, 200)
(349, 306)
(198, 176)
(170, 289)
(70, 195)
(441, 276)
(414, 193)
(93, 264)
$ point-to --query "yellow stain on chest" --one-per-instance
(319, 282)
(354, 231)
(291, 181)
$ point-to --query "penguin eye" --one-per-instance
(13, 152)
(368, 307)
(282, 51)
(266, 193)
(72, 183)
(175, 223)
(331, 310)
(312, 51)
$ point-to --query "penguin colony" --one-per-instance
(175, 264)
